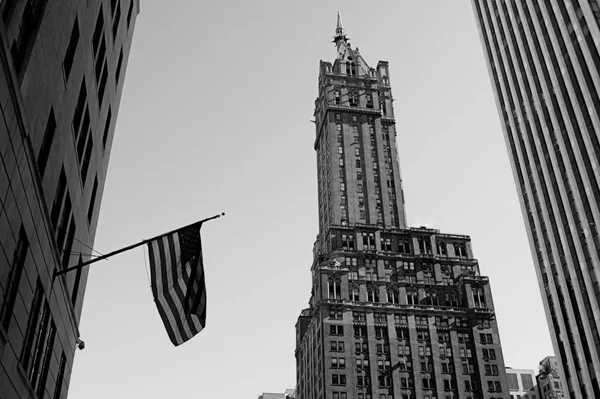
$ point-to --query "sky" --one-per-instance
(215, 117)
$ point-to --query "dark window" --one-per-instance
(119, 64)
(79, 108)
(46, 355)
(90, 212)
(76, 283)
(129, 13)
(86, 159)
(98, 30)
(102, 85)
(28, 28)
(61, 189)
(71, 49)
(66, 254)
(61, 231)
(116, 19)
(14, 279)
(100, 55)
(7, 13)
(42, 159)
(106, 127)
(39, 340)
(59, 379)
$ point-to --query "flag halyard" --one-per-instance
(177, 279)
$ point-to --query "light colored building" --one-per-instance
(288, 394)
(62, 68)
(395, 312)
(521, 383)
(544, 64)
(548, 379)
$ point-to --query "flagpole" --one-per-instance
(118, 251)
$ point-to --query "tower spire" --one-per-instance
(340, 39)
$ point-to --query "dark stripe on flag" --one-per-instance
(153, 276)
(166, 285)
(177, 276)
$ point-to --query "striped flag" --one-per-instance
(177, 279)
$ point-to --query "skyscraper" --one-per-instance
(395, 312)
(544, 64)
(61, 76)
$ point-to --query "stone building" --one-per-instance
(62, 69)
(549, 383)
(544, 63)
(395, 312)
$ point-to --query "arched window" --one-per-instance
(392, 296)
(431, 298)
(355, 294)
(335, 289)
(369, 99)
(336, 97)
(412, 297)
(373, 294)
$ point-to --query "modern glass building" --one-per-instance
(544, 63)
(62, 67)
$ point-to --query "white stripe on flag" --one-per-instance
(161, 298)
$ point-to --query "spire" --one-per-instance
(339, 30)
(340, 38)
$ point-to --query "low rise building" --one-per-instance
(521, 383)
(549, 383)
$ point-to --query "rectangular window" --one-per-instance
(66, 253)
(61, 189)
(100, 58)
(107, 126)
(98, 29)
(35, 333)
(76, 283)
(59, 379)
(119, 64)
(102, 85)
(79, 108)
(90, 212)
(86, 159)
(71, 49)
(116, 20)
(14, 279)
(42, 159)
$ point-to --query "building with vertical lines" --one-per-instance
(395, 312)
(62, 67)
(544, 64)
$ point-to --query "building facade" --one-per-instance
(544, 64)
(521, 383)
(395, 312)
(61, 76)
(288, 394)
(549, 383)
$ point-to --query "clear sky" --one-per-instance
(215, 116)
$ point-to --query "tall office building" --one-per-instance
(544, 64)
(395, 312)
(62, 66)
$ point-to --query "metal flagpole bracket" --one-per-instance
(118, 251)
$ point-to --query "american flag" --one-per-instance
(177, 279)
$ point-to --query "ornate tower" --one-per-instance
(395, 312)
